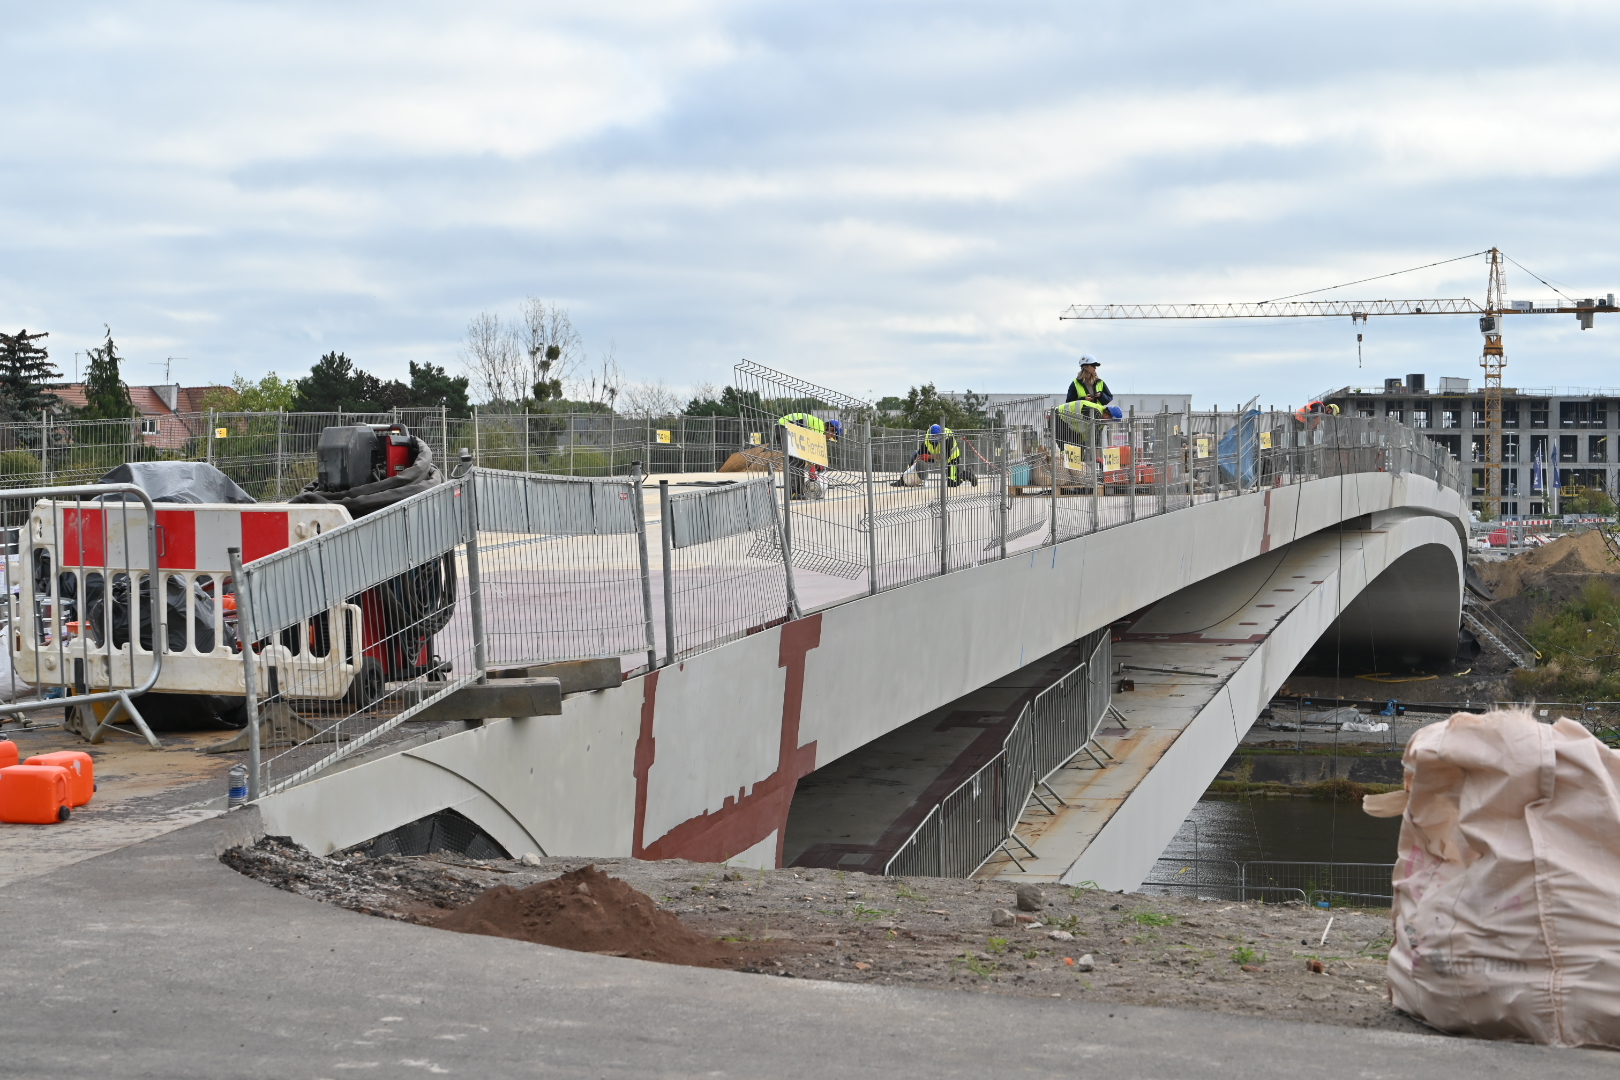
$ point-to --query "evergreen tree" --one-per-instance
(433, 387)
(24, 369)
(105, 397)
(335, 383)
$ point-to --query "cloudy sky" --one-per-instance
(868, 195)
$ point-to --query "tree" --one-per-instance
(924, 407)
(649, 400)
(729, 403)
(552, 346)
(432, 387)
(497, 367)
(335, 383)
(105, 397)
(25, 368)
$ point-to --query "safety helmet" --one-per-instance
(1087, 359)
(835, 428)
(936, 430)
(1115, 412)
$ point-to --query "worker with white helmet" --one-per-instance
(1089, 391)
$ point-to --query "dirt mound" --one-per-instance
(1581, 553)
(753, 460)
(588, 911)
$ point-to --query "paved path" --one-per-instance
(156, 960)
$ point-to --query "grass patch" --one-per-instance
(1150, 918)
(1245, 955)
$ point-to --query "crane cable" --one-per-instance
(1380, 277)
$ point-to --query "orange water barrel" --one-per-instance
(33, 794)
(8, 753)
(81, 770)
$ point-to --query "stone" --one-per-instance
(1002, 917)
(1315, 967)
(861, 965)
(1021, 917)
(1060, 935)
(530, 859)
(1030, 898)
(1085, 963)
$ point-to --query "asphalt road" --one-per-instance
(158, 961)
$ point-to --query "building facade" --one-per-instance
(1575, 430)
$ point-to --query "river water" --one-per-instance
(1284, 839)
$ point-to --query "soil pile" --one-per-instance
(588, 911)
(1583, 554)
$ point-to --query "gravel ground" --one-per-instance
(1252, 959)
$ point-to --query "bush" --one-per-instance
(1579, 643)
(18, 465)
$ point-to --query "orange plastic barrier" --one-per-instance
(33, 794)
(8, 753)
(81, 770)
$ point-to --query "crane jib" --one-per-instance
(1358, 309)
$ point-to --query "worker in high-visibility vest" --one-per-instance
(1315, 408)
(1090, 391)
(800, 476)
(942, 445)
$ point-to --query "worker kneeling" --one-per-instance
(1314, 411)
(804, 479)
(942, 445)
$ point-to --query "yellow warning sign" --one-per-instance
(806, 445)
(1201, 446)
(1265, 440)
(222, 432)
(755, 438)
(1074, 457)
(665, 436)
(1111, 459)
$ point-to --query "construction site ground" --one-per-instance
(1247, 959)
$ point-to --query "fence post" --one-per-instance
(281, 434)
(444, 434)
(1136, 458)
(477, 450)
(786, 533)
(1001, 503)
(250, 677)
(44, 447)
(668, 531)
(1097, 475)
(210, 454)
(871, 518)
(475, 584)
(526, 467)
(944, 535)
(639, 509)
(1052, 468)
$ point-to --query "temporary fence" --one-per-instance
(1272, 880)
(356, 625)
(981, 815)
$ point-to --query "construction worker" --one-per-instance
(941, 444)
(1316, 409)
(1089, 390)
(832, 429)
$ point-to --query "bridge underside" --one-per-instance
(1207, 659)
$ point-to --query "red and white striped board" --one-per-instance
(194, 537)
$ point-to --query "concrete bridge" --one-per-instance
(702, 759)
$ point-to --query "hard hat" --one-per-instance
(936, 430)
(835, 428)
(1334, 409)
(1087, 360)
(1116, 413)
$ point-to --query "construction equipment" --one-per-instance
(1490, 325)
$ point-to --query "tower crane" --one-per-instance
(1490, 314)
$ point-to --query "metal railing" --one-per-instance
(354, 630)
(978, 817)
(1272, 880)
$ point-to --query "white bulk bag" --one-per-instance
(1507, 886)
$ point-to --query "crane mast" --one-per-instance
(1493, 361)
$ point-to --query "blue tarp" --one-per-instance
(1244, 438)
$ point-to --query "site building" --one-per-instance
(1572, 428)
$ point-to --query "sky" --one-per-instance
(868, 195)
